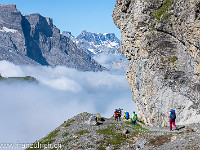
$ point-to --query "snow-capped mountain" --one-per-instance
(104, 48)
(96, 43)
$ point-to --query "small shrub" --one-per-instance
(65, 134)
(102, 147)
(81, 132)
(90, 146)
(172, 59)
(67, 125)
(162, 13)
(148, 37)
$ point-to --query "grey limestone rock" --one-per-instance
(92, 120)
(161, 41)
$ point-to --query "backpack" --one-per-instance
(117, 111)
(127, 115)
(173, 115)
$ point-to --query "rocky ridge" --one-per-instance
(80, 132)
(96, 43)
(160, 38)
(34, 39)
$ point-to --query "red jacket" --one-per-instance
(116, 113)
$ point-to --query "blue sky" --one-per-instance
(73, 15)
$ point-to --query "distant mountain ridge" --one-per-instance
(104, 48)
(34, 39)
(96, 43)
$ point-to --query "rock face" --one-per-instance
(34, 39)
(160, 38)
(104, 48)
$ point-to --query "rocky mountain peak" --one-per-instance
(95, 37)
(34, 39)
(10, 17)
(69, 35)
(8, 6)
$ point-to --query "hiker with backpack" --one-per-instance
(119, 113)
(134, 117)
(172, 117)
(116, 114)
(126, 115)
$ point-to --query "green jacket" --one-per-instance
(134, 116)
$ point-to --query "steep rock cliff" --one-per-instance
(34, 39)
(160, 38)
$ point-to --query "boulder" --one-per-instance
(92, 120)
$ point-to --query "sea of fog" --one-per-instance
(29, 111)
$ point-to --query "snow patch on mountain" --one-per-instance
(4, 29)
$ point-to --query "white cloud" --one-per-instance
(29, 111)
(114, 62)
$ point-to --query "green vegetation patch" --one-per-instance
(182, 132)
(109, 130)
(102, 147)
(136, 128)
(49, 139)
(111, 137)
(67, 125)
(172, 59)
(90, 146)
(148, 37)
(65, 134)
(81, 132)
(52, 134)
(163, 12)
(27, 78)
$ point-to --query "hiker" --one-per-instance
(119, 113)
(172, 117)
(134, 117)
(116, 114)
(126, 115)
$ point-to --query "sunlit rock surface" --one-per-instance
(160, 38)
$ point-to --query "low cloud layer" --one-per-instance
(29, 111)
(115, 62)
